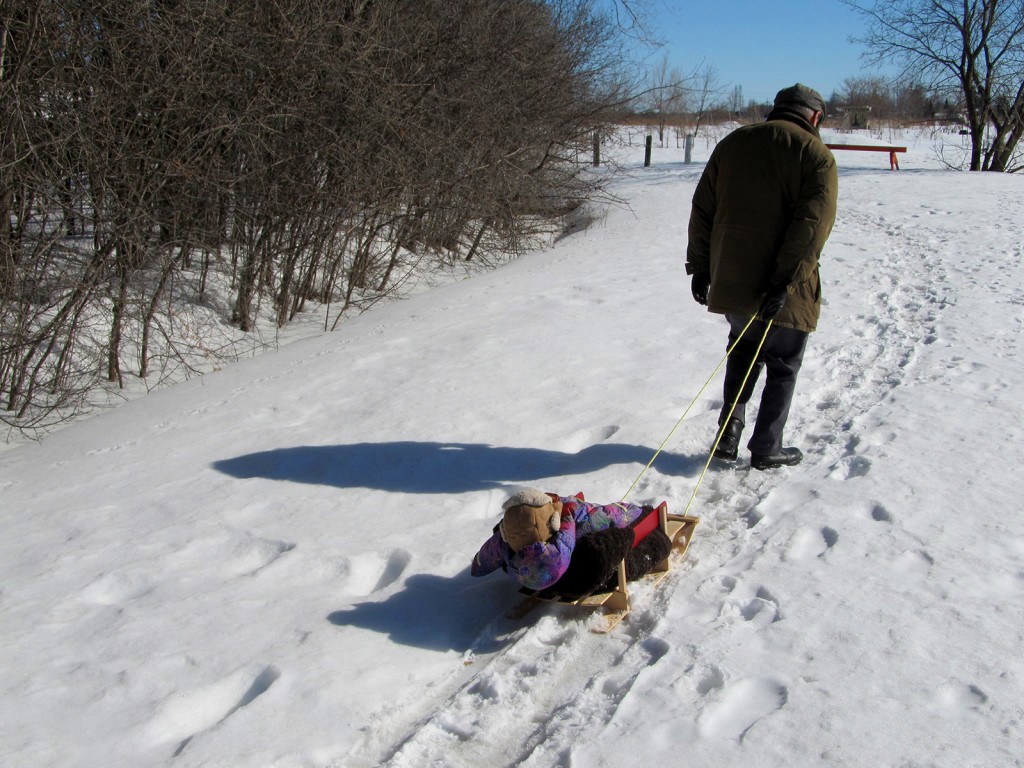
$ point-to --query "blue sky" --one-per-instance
(762, 45)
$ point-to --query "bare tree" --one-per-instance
(666, 95)
(872, 92)
(736, 102)
(704, 91)
(975, 47)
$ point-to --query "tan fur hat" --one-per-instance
(530, 516)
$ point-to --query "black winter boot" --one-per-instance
(787, 457)
(729, 446)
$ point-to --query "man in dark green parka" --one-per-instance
(761, 214)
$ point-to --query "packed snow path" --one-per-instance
(269, 567)
(541, 700)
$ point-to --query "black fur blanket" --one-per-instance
(596, 558)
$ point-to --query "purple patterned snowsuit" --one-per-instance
(540, 565)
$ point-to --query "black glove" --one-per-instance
(773, 303)
(699, 286)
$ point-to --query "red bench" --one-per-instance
(894, 164)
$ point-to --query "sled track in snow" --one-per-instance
(556, 681)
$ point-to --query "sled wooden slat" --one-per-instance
(679, 529)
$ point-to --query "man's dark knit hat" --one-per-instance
(800, 95)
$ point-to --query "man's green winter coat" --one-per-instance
(761, 214)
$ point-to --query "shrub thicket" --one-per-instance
(307, 148)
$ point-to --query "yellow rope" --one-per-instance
(690, 406)
(732, 409)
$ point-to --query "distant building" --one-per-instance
(854, 118)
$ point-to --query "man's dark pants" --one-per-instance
(781, 356)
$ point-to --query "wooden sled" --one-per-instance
(615, 603)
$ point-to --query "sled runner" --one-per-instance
(615, 601)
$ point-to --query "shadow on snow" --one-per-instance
(439, 613)
(429, 467)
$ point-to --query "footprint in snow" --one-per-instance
(762, 610)
(811, 542)
(117, 587)
(251, 554)
(759, 611)
(184, 715)
(371, 572)
(752, 517)
(739, 706)
(851, 467)
(236, 553)
(716, 587)
(960, 697)
(712, 680)
(585, 438)
(914, 561)
(880, 514)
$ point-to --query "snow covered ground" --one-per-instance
(268, 566)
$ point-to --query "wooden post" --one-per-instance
(647, 151)
(597, 149)
(689, 148)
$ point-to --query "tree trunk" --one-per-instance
(147, 321)
(117, 320)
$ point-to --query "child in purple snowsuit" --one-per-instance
(535, 541)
